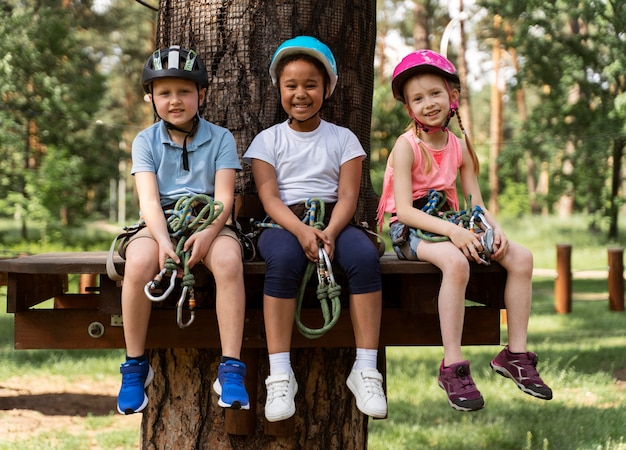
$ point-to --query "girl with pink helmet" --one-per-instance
(425, 160)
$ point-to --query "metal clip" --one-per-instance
(179, 309)
(154, 284)
(328, 275)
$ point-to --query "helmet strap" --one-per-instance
(190, 133)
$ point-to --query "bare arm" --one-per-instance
(152, 213)
(267, 188)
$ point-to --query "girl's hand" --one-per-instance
(467, 242)
(500, 244)
(309, 239)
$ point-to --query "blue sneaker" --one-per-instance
(229, 385)
(136, 376)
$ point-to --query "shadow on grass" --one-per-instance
(61, 404)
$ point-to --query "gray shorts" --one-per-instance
(404, 240)
(145, 233)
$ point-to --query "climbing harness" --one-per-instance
(472, 218)
(327, 287)
(183, 221)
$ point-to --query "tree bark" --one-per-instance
(236, 40)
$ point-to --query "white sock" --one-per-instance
(366, 358)
(280, 363)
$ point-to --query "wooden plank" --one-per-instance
(95, 262)
(68, 329)
(26, 290)
(59, 263)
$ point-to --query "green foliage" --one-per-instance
(572, 59)
(514, 200)
(389, 120)
(66, 76)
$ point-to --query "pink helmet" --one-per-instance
(421, 61)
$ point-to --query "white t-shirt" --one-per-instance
(307, 164)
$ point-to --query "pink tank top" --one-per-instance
(446, 163)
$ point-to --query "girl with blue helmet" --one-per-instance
(303, 158)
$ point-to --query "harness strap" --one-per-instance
(471, 218)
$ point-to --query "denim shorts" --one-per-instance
(404, 240)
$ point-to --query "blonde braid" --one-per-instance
(426, 156)
(469, 145)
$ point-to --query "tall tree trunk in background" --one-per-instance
(236, 40)
(496, 119)
(616, 183)
(464, 103)
(421, 30)
(531, 183)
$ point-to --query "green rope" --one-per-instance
(327, 287)
(436, 200)
(183, 224)
(469, 218)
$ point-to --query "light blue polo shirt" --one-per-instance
(212, 148)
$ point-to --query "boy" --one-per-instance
(182, 155)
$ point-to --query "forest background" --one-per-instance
(544, 98)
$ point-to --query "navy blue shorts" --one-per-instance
(285, 261)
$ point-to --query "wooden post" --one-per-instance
(616, 279)
(87, 280)
(563, 281)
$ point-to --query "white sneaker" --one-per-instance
(367, 387)
(281, 392)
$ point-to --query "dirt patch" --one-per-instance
(30, 406)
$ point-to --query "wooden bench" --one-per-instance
(91, 319)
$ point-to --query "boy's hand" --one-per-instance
(167, 250)
(200, 243)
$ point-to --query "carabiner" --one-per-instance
(322, 272)
(330, 277)
(152, 285)
(179, 309)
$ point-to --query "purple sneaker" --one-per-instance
(522, 369)
(459, 385)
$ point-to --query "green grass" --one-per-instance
(582, 356)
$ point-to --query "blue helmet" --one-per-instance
(309, 46)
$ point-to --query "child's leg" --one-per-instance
(451, 301)
(141, 266)
(357, 256)
(225, 263)
(518, 262)
(284, 264)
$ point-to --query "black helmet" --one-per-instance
(174, 62)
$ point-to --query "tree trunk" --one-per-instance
(183, 411)
(236, 40)
(616, 183)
